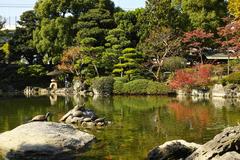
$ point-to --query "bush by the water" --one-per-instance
(103, 85)
(140, 87)
(157, 88)
(232, 78)
(118, 87)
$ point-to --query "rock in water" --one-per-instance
(176, 149)
(77, 120)
(66, 116)
(87, 119)
(227, 141)
(43, 141)
(99, 120)
(228, 156)
(77, 114)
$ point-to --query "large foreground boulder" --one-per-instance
(176, 149)
(43, 140)
(224, 146)
(220, 145)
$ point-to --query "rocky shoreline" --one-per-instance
(224, 146)
(217, 90)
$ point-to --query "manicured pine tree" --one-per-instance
(117, 41)
(93, 27)
(129, 63)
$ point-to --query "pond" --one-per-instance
(139, 123)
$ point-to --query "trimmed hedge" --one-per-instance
(232, 78)
(118, 87)
(157, 88)
(140, 87)
(103, 85)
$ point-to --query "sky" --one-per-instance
(12, 9)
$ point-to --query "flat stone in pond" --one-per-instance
(43, 141)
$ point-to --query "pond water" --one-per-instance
(138, 123)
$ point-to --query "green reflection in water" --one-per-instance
(138, 123)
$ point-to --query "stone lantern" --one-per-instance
(53, 85)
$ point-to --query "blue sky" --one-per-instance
(12, 13)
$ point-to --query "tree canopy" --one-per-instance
(90, 38)
(234, 9)
(205, 15)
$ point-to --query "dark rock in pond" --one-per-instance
(176, 149)
(227, 141)
(89, 113)
(43, 141)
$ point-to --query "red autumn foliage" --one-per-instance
(230, 36)
(198, 39)
(194, 77)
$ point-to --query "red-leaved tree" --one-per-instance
(230, 36)
(197, 76)
(197, 40)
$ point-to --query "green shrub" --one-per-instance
(136, 87)
(174, 63)
(232, 78)
(157, 88)
(118, 87)
(103, 85)
(122, 79)
(140, 87)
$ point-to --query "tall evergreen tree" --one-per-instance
(128, 22)
(93, 27)
(52, 37)
(165, 13)
(21, 44)
(203, 14)
(117, 41)
(129, 63)
(55, 31)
